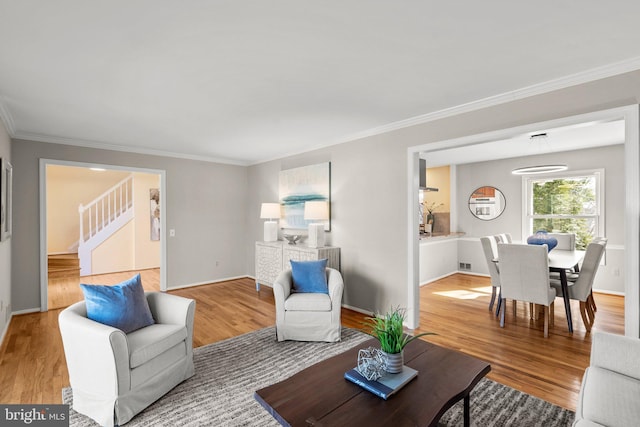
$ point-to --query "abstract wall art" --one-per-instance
(300, 185)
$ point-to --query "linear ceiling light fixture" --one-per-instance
(531, 170)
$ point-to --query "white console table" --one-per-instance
(273, 257)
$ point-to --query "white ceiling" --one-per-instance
(244, 81)
(556, 140)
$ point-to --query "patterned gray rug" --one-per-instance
(228, 373)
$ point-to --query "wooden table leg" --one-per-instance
(467, 416)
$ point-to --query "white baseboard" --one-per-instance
(5, 330)
(438, 278)
(26, 311)
(359, 310)
(469, 273)
(208, 282)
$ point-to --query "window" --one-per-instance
(566, 203)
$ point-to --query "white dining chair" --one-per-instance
(566, 241)
(580, 289)
(574, 276)
(524, 276)
(490, 249)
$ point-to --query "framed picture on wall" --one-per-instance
(300, 185)
(154, 211)
(6, 198)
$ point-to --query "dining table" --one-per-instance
(560, 261)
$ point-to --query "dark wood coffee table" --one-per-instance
(321, 396)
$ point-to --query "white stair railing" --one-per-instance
(106, 208)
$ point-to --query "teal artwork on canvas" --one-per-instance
(300, 185)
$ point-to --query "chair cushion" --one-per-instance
(609, 398)
(147, 343)
(542, 238)
(123, 306)
(308, 302)
(309, 276)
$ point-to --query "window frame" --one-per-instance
(527, 199)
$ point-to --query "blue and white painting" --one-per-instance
(300, 185)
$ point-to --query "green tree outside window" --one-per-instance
(566, 205)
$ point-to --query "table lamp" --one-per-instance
(318, 211)
(271, 212)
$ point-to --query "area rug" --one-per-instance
(230, 371)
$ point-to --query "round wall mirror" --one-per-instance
(487, 203)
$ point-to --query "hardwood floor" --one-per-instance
(62, 292)
(456, 308)
(33, 368)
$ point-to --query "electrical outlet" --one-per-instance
(217, 263)
(616, 272)
(172, 233)
(467, 266)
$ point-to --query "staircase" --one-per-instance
(63, 266)
(102, 217)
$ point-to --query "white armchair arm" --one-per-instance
(616, 353)
(173, 310)
(282, 290)
(97, 355)
(170, 309)
(336, 287)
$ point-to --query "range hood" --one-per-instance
(423, 177)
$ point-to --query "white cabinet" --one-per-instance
(273, 257)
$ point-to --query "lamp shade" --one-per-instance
(316, 210)
(270, 210)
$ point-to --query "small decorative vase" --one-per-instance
(430, 220)
(393, 362)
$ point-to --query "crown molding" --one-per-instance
(582, 77)
(586, 76)
(6, 118)
(115, 147)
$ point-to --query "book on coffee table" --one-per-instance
(384, 386)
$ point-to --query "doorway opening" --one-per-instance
(100, 224)
(480, 143)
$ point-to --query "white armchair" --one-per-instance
(611, 383)
(115, 375)
(308, 316)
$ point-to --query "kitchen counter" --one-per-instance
(426, 238)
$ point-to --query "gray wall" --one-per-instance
(215, 208)
(5, 248)
(205, 204)
(498, 174)
(369, 183)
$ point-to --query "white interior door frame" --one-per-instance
(631, 116)
(44, 270)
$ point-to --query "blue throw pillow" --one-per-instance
(309, 276)
(542, 238)
(122, 306)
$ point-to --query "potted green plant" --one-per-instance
(389, 331)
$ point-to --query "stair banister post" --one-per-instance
(80, 213)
